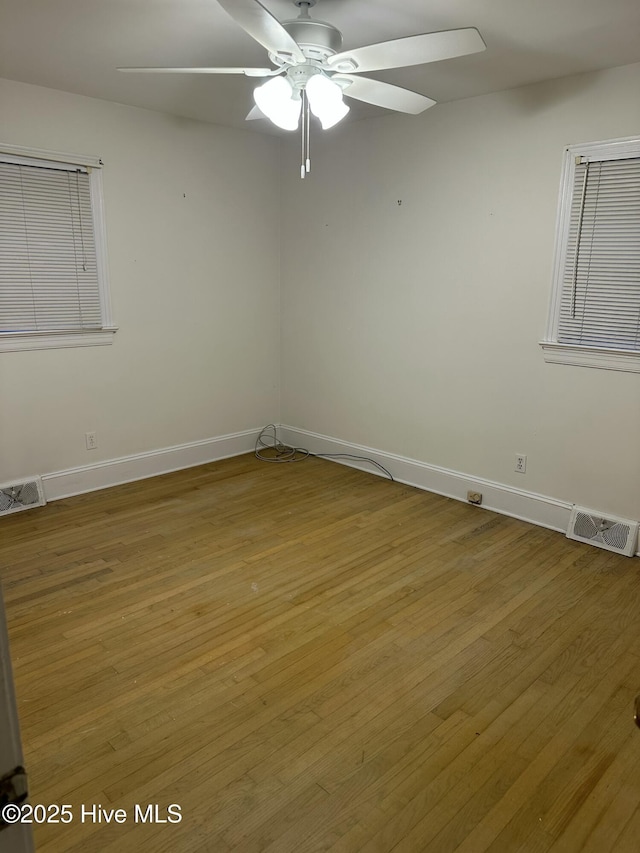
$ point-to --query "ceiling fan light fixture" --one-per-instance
(325, 100)
(276, 100)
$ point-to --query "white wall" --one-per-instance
(194, 269)
(409, 328)
(414, 328)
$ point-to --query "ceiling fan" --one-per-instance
(312, 73)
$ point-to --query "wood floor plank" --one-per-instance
(308, 658)
(518, 817)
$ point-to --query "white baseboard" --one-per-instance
(507, 500)
(115, 472)
(517, 503)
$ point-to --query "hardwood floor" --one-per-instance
(306, 657)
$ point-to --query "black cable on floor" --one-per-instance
(269, 448)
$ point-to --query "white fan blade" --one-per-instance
(249, 72)
(383, 94)
(413, 50)
(254, 19)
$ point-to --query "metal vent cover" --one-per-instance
(612, 534)
(15, 497)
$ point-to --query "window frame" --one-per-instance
(35, 339)
(606, 358)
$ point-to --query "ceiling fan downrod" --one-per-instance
(304, 6)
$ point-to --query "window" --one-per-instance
(594, 319)
(53, 283)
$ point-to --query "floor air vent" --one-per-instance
(17, 496)
(613, 534)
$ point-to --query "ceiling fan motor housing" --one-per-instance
(317, 39)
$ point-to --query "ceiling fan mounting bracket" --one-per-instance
(345, 66)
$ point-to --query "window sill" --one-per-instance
(604, 359)
(17, 341)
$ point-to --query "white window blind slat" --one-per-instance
(600, 299)
(48, 264)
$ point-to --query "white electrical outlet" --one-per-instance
(91, 440)
(521, 463)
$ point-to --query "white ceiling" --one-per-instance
(76, 45)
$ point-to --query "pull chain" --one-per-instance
(308, 159)
(305, 165)
(303, 133)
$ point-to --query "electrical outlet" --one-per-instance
(91, 440)
(521, 463)
(474, 498)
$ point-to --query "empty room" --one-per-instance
(319, 426)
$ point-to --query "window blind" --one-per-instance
(48, 267)
(600, 304)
